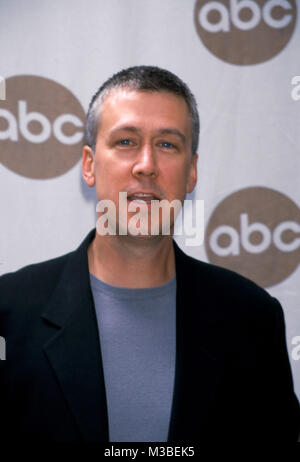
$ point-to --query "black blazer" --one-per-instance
(233, 379)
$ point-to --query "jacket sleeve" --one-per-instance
(285, 410)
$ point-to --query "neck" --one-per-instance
(132, 262)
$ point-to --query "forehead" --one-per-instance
(146, 109)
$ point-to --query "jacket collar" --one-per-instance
(75, 354)
(73, 289)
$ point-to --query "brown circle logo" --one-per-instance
(41, 127)
(255, 232)
(245, 31)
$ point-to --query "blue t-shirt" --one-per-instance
(137, 330)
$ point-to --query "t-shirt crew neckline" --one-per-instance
(128, 292)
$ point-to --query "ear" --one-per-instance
(192, 175)
(87, 164)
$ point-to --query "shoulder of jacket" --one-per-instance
(30, 284)
(235, 291)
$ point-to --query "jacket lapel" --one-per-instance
(74, 351)
(199, 364)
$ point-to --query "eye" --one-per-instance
(167, 145)
(124, 142)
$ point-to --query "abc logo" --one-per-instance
(41, 127)
(255, 232)
(245, 31)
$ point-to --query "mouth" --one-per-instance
(142, 198)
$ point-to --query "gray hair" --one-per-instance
(141, 78)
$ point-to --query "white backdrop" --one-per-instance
(249, 139)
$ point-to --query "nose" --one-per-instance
(145, 163)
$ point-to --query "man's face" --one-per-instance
(143, 146)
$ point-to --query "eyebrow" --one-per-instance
(162, 131)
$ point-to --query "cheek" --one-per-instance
(110, 177)
(109, 166)
(104, 175)
(176, 177)
(175, 187)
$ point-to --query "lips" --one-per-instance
(142, 196)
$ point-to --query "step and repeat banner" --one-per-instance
(241, 59)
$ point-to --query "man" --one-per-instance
(127, 338)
